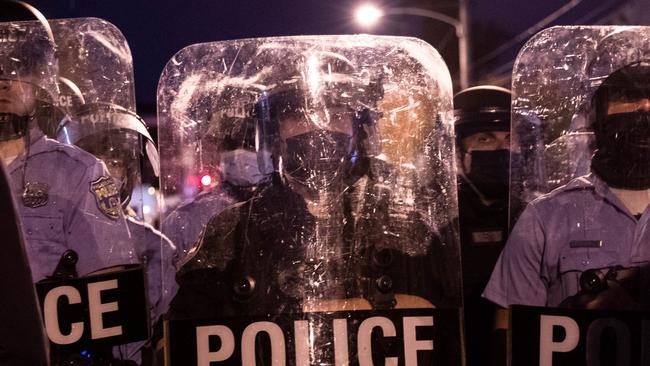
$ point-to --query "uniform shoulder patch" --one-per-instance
(107, 196)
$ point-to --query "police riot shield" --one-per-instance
(581, 129)
(98, 98)
(97, 95)
(95, 63)
(69, 203)
(28, 62)
(319, 180)
(553, 106)
(63, 199)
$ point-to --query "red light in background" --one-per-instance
(191, 180)
(206, 180)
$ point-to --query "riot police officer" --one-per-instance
(352, 214)
(232, 131)
(582, 245)
(118, 137)
(66, 198)
(296, 244)
(482, 123)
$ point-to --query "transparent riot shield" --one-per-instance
(581, 129)
(50, 181)
(552, 102)
(74, 199)
(318, 179)
(95, 57)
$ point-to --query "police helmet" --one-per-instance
(51, 115)
(482, 108)
(111, 131)
(275, 106)
(231, 123)
(319, 90)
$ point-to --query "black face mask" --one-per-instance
(12, 126)
(490, 172)
(622, 158)
(317, 159)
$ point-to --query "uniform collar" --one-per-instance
(601, 189)
(589, 181)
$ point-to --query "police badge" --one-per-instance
(107, 196)
(35, 194)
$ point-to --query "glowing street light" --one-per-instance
(368, 15)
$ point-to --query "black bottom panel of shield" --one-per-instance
(408, 336)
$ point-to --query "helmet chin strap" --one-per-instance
(13, 126)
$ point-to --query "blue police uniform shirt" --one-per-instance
(65, 200)
(184, 225)
(576, 227)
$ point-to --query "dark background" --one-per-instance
(157, 29)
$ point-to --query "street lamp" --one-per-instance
(368, 15)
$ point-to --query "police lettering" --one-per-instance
(96, 307)
(105, 118)
(548, 346)
(64, 101)
(303, 341)
(235, 111)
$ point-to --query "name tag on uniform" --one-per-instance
(586, 243)
(487, 237)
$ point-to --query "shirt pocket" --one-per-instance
(43, 228)
(44, 242)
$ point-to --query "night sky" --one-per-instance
(156, 30)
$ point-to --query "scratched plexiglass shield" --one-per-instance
(69, 206)
(51, 183)
(317, 181)
(27, 61)
(98, 96)
(95, 64)
(555, 102)
(95, 56)
(97, 106)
